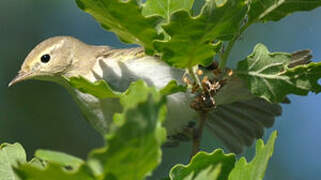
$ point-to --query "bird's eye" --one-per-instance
(45, 58)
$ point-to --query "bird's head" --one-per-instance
(47, 60)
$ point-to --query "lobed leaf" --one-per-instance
(10, 155)
(52, 171)
(100, 89)
(192, 38)
(201, 162)
(171, 88)
(59, 158)
(209, 173)
(269, 76)
(125, 19)
(197, 7)
(133, 144)
(256, 168)
(166, 8)
(274, 10)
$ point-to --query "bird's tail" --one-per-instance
(238, 124)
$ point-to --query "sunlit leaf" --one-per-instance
(52, 171)
(210, 173)
(202, 161)
(171, 88)
(165, 8)
(269, 76)
(256, 168)
(99, 89)
(60, 158)
(10, 155)
(133, 145)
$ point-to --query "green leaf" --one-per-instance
(125, 19)
(10, 155)
(59, 158)
(268, 75)
(134, 141)
(171, 88)
(256, 168)
(166, 8)
(36, 162)
(202, 161)
(52, 172)
(100, 89)
(192, 38)
(209, 173)
(197, 7)
(136, 93)
(274, 10)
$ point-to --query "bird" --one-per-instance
(237, 121)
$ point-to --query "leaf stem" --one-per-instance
(191, 71)
(226, 53)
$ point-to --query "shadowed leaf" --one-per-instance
(274, 10)
(192, 38)
(125, 19)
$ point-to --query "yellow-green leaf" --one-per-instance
(256, 168)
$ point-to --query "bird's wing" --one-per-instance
(238, 124)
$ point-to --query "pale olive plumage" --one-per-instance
(238, 120)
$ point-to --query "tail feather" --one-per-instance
(254, 127)
(260, 109)
(238, 124)
(228, 138)
(242, 131)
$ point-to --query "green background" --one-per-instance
(43, 115)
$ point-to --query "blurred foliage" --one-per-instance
(48, 91)
(10, 155)
(103, 163)
(133, 148)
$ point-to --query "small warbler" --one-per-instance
(238, 119)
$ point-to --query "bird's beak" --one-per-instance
(20, 77)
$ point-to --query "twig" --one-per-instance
(197, 133)
(225, 55)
